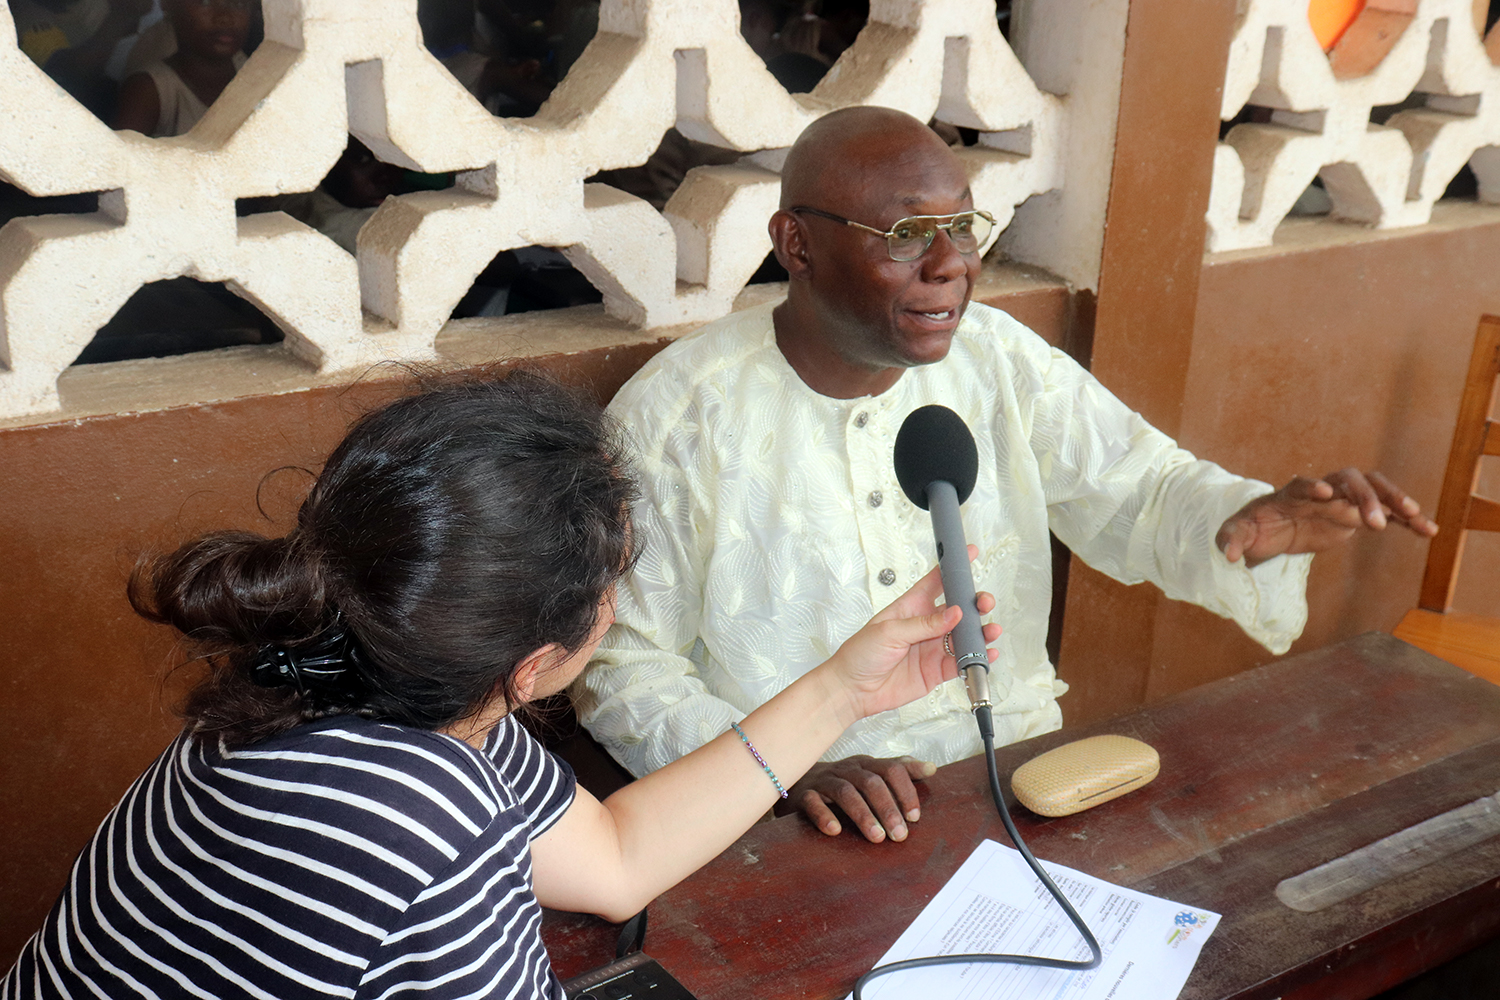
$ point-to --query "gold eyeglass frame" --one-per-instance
(890, 235)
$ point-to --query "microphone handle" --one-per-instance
(958, 590)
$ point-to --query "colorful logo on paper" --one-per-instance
(1187, 923)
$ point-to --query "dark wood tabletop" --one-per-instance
(1263, 776)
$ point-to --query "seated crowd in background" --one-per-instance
(155, 67)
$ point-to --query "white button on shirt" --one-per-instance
(772, 527)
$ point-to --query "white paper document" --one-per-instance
(994, 903)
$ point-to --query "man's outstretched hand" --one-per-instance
(876, 793)
(1310, 515)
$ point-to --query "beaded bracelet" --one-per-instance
(759, 759)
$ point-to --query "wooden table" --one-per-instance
(1263, 776)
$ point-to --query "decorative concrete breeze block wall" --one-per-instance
(328, 67)
(1385, 176)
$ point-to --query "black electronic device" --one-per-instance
(633, 975)
(637, 976)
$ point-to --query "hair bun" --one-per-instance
(235, 590)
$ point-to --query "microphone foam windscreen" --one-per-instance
(934, 443)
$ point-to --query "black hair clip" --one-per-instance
(321, 662)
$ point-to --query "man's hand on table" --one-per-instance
(1311, 515)
(876, 794)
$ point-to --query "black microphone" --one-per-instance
(937, 463)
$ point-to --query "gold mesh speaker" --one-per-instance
(1082, 774)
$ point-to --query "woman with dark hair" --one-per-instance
(352, 808)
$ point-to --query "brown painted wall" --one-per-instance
(83, 702)
(1331, 354)
(1338, 347)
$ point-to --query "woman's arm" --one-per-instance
(613, 857)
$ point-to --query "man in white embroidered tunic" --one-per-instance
(772, 524)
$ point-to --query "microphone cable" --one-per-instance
(987, 735)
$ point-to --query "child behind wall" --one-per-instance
(168, 97)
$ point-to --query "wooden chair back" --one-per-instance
(1469, 641)
(1461, 510)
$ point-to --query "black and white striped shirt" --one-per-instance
(346, 858)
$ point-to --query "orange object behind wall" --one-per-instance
(1331, 18)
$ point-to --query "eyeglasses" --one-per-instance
(910, 238)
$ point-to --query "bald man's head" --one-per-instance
(851, 147)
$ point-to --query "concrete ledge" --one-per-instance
(583, 343)
(1296, 235)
